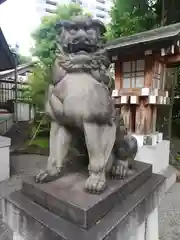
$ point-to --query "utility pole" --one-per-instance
(16, 95)
(16, 89)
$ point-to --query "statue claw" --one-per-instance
(95, 184)
(42, 175)
(47, 176)
(120, 169)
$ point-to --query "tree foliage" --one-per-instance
(37, 86)
(21, 59)
(45, 50)
(24, 59)
(130, 17)
(45, 34)
(133, 16)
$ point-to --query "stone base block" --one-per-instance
(170, 174)
(148, 139)
(5, 159)
(6, 122)
(67, 198)
(157, 155)
(125, 221)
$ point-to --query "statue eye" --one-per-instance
(72, 31)
(90, 31)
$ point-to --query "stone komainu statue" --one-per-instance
(80, 101)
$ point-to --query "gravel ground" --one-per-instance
(169, 215)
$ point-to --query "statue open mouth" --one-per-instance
(76, 47)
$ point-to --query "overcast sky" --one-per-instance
(17, 19)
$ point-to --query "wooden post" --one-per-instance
(171, 104)
(154, 118)
(148, 72)
(118, 74)
(16, 95)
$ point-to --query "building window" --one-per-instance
(77, 1)
(100, 15)
(100, 1)
(133, 74)
(50, 10)
(101, 8)
(51, 2)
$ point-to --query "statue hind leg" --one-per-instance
(125, 154)
(99, 141)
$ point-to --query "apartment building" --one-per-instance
(98, 8)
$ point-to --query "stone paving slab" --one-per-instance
(27, 164)
(6, 235)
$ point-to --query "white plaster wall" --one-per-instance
(157, 155)
(149, 229)
(23, 111)
(16, 236)
(32, 113)
(152, 228)
(141, 231)
(6, 124)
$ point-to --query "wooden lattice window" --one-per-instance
(133, 74)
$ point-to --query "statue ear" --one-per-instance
(63, 24)
(59, 26)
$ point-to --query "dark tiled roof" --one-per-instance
(7, 60)
(1, 1)
(170, 32)
(20, 69)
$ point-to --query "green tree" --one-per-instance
(45, 50)
(45, 34)
(20, 58)
(37, 86)
(24, 59)
(167, 12)
(129, 17)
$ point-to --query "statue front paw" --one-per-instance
(96, 183)
(47, 175)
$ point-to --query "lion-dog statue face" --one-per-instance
(80, 34)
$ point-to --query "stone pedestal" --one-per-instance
(24, 112)
(6, 122)
(63, 210)
(152, 226)
(154, 150)
(4, 159)
(157, 155)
